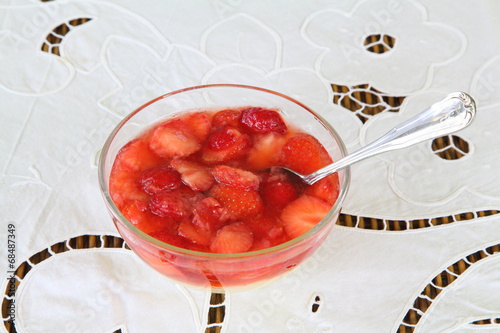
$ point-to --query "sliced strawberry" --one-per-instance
(326, 189)
(156, 179)
(225, 144)
(196, 176)
(174, 139)
(199, 123)
(226, 117)
(232, 238)
(265, 227)
(123, 186)
(303, 214)
(170, 204)
(135, 210)
(209, 214)
(277, 192)
(169, 238)
(261, 244)
(264, 151)
(239, 202)
(195, 235)
(137, 156)
(262, 120)
(267, 232)
(235, 177)
(304, 153)
(138, 213)
(193, 197)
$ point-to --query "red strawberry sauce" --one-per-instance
(204, 181)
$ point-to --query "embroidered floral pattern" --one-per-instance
(343, 37)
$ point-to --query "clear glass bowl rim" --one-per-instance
(220, 256)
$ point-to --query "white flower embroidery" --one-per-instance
(141, 74)
(419, 46)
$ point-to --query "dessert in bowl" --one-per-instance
(190, 182)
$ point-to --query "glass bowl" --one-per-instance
(221, 272)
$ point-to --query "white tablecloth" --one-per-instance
(59, 102)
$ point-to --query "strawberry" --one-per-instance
(199, 123)
(156, 179)
(304, 153)
(137, 156)
(267, 232)
(261, 120)
(225, 144)
(235, 177)
(264, 151)
(326, 189)
(167, 237)
(208, 214)
(194, 175)
(303, 213)
(192, 197)
(174, 139)
(261, 244)
(138, 213)
(123, 186)
(232, 238)
(169, 204)
(195, 235)
(277, 192)
(226, 117)
(265, 227)
(239, 202)
(132, 158)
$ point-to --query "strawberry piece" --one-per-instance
(132, 158)
(304, 153)
(174, 139)
(193, 197)
(226, 117)
(169, 204)
(135, 211)
(224, 144)
(267, 232)
(265, 151)
(169, 238)
(303, 213)
(156, 179)
(235, 177)
(123, 186)
(209, 214)
(232, 238)
(136, 156)
(194, 175)
(278, 192)
(326, 189)
(261, 120)
(260, 244)
(195, 235)
(239, 202)
(265, 227)
(200, 124)
(138, 213)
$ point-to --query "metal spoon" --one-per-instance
(449, 115)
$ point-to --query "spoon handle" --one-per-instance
(449, 115)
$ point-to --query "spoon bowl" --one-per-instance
(451, 114)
